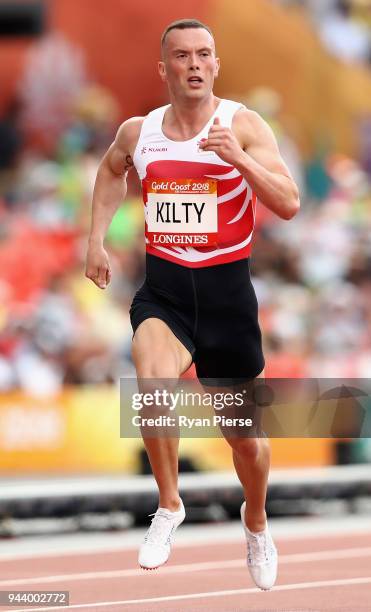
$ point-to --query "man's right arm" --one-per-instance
(109, 191)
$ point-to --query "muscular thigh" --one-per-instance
(157, 352)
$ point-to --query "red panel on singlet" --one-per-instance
(231, 236)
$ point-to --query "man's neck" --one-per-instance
(186, 118)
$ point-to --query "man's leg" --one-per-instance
(158, 354)
(251, 458)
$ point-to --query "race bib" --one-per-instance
(182, 212)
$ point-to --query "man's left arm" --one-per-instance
(252, 148)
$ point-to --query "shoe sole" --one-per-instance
(149, 569)
(153, 568)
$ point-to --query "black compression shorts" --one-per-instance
(213, 311)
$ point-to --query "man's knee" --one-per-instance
(246, 447)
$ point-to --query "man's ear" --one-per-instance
(162, 71)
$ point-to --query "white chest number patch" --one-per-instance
(182, 212)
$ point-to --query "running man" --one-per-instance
(204, 162)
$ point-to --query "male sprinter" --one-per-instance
(204, 162)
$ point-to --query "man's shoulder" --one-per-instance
(128, 133)
(249, 124)
(130, 127)
(246, 116)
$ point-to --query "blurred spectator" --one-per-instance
(346, 38)
(343, 25)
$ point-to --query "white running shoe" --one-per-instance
(155, 549)
(262, 556)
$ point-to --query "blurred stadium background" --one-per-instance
(70, 73)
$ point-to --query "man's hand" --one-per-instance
(223, 142)
(97, 265)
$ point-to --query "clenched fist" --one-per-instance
(223, 142)
(97, 265)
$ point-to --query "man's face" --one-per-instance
(189, 65)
